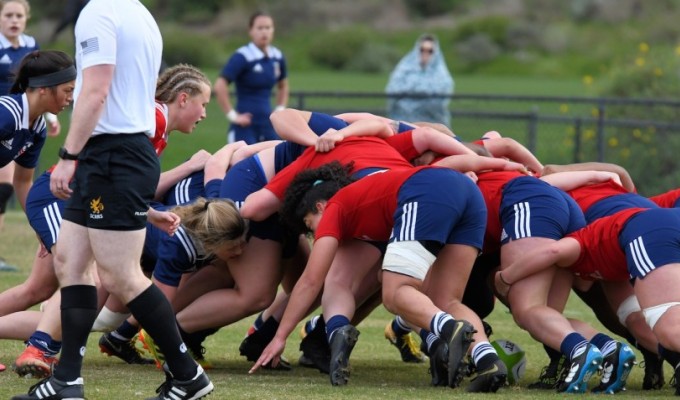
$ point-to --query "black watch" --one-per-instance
(65, 155)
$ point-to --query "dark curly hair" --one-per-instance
(309, 187)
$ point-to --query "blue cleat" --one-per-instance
(616, 368)
(581, 369)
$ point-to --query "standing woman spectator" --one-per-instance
(45, 82)
(420, 86)
(255, 69)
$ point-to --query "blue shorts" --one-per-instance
(186, 190)
(651, 239)
(425, 212)
(613, 204)
(533, 208)
(247, 177)
(44, 211)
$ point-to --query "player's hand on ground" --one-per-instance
(271, 354)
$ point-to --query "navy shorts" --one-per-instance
(425, 212)
(114, 183)
(44, 211)
(533, 208)
(613, 204)
(186, 190)
(247, 177)
(651, 239)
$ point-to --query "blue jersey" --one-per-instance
(19, 141)
(11, 57)
(255, 73)
(186, 190)
(170, 256)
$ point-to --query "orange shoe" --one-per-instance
(34, 363)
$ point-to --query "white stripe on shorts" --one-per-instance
(409, 218)
(522, 220)
(187, 243)
(53, 219)
(642, 262)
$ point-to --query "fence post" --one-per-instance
(600, 129)
(577, 139)
(533, 122)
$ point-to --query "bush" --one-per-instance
(374, 58)
(494, 27)
(648, 151)
(183, 46)
(477, 49)
(432, 8)
(336, 49)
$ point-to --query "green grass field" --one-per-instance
(377, 371)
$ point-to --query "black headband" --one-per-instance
(54, 78)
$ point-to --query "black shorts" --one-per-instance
(114, 182)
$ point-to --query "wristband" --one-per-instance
(279, 108)
(232, 115)
(500, 275)
(50, 118)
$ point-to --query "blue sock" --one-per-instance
(125, 332)
(606, 344)
(42, 341)
(334, 323)
(399, 326)
(258, 322)
(572, 344)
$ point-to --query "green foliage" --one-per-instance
(431, 8)
(374, 58)
(495, 27)
(648, 150)
(182, 46)
(336, 49)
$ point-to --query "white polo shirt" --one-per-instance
(122, 33)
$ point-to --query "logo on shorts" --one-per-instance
(96, 206)
(504, 235)
(141, 214)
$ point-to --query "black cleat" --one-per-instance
(615, 370)
(653, 365)
(252, 347)
(489, 380)
(316, 353)
(342, 343)
(458, 344)
(54, 389)
(193, 389)
(550, 375)
(439, 367)
(125, 350)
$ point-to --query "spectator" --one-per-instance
(255, 69)
(420, 85)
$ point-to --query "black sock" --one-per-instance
(78, 312)
(673, 357)
(155, 315)
(553, 354)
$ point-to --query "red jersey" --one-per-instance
(601, 254)
(588, 195)
(364, 209)
(491, 185)
(668, 199)
(366, 152)
(160, 138)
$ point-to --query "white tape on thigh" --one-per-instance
(408, 258)
(627, 307)
(652, 314)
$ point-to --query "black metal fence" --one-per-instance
(631, 132)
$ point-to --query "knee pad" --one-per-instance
(409, 258)
(6, 191)
(627, 307)
(652, 314)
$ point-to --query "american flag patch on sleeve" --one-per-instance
(90, 45)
